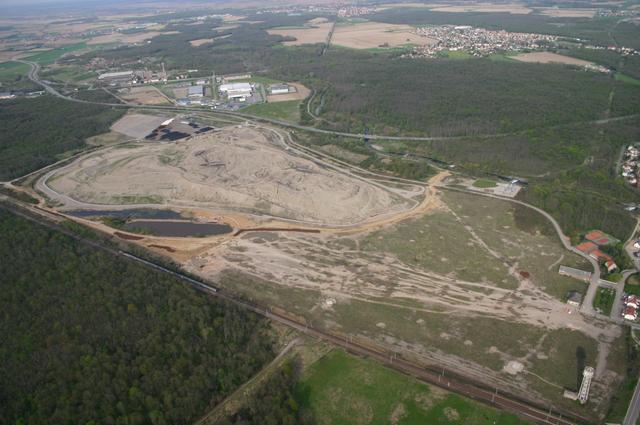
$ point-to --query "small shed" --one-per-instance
(574, 298)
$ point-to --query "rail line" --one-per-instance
(437, 376)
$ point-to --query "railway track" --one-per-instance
(437, 376)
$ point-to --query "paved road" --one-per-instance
(35, 68)
(634, 408)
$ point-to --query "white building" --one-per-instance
(236, 90)
(279, 89)
(116, 75)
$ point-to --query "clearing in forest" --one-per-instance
(548, 57)
(368, 35)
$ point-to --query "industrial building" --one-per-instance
(195, 91)
(238, 91)
(279, 89)
(116, 76)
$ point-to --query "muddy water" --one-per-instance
(177, 228)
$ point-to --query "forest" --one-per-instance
(384, 94)
(35, 132)
(88, 338)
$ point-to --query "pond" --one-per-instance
(177, 228)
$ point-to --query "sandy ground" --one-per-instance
(137, 125)
(516, 9)
(144, 96)
(127, 38)
(368, 35)
(314, 34)
(548, 57)
(567, 13)
(237, 169)
(301, 93)
(225, 27)
(201, 42)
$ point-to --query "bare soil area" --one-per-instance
(144, 96)
(313, 34)
(124, 38)
(137, 125)
(548, 57)
(568, 13)
(369, 35)
(237, 169)
(515, 9)
(301, 93)
(201, 42)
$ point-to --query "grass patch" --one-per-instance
(340, 388)
(457, 54)
(19, 195)
(603, 301)
(51, 56)
(70, 74)
(439, 243)
(632, 286)
(12, 70)
(484, 183)
(627, 79)
(288, 111)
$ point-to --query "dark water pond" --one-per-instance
(177, 228)
(149, 213)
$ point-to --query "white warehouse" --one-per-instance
(236, 90)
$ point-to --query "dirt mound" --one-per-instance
(237, 169)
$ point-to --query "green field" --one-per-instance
(457, 54)
(604, 299)
(288, 110)
(51, 56)
(484, 183)
(343, 389)
(11, 70)
(13, 75)
(72, 74)
(627, 79)
(632, 286)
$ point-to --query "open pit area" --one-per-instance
(456, 279)
(238, 169)
(461, 284)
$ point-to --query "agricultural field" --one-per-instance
(369, 35)
(547, 57)
(338, 388)
(287, 110)
(312, 32)
(146, 95)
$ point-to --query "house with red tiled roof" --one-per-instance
(611, 266)
(630, 313)
(600, 256)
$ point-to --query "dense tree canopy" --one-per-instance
(33, 132)
(87, 338)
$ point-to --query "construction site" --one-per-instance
(443, 277)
